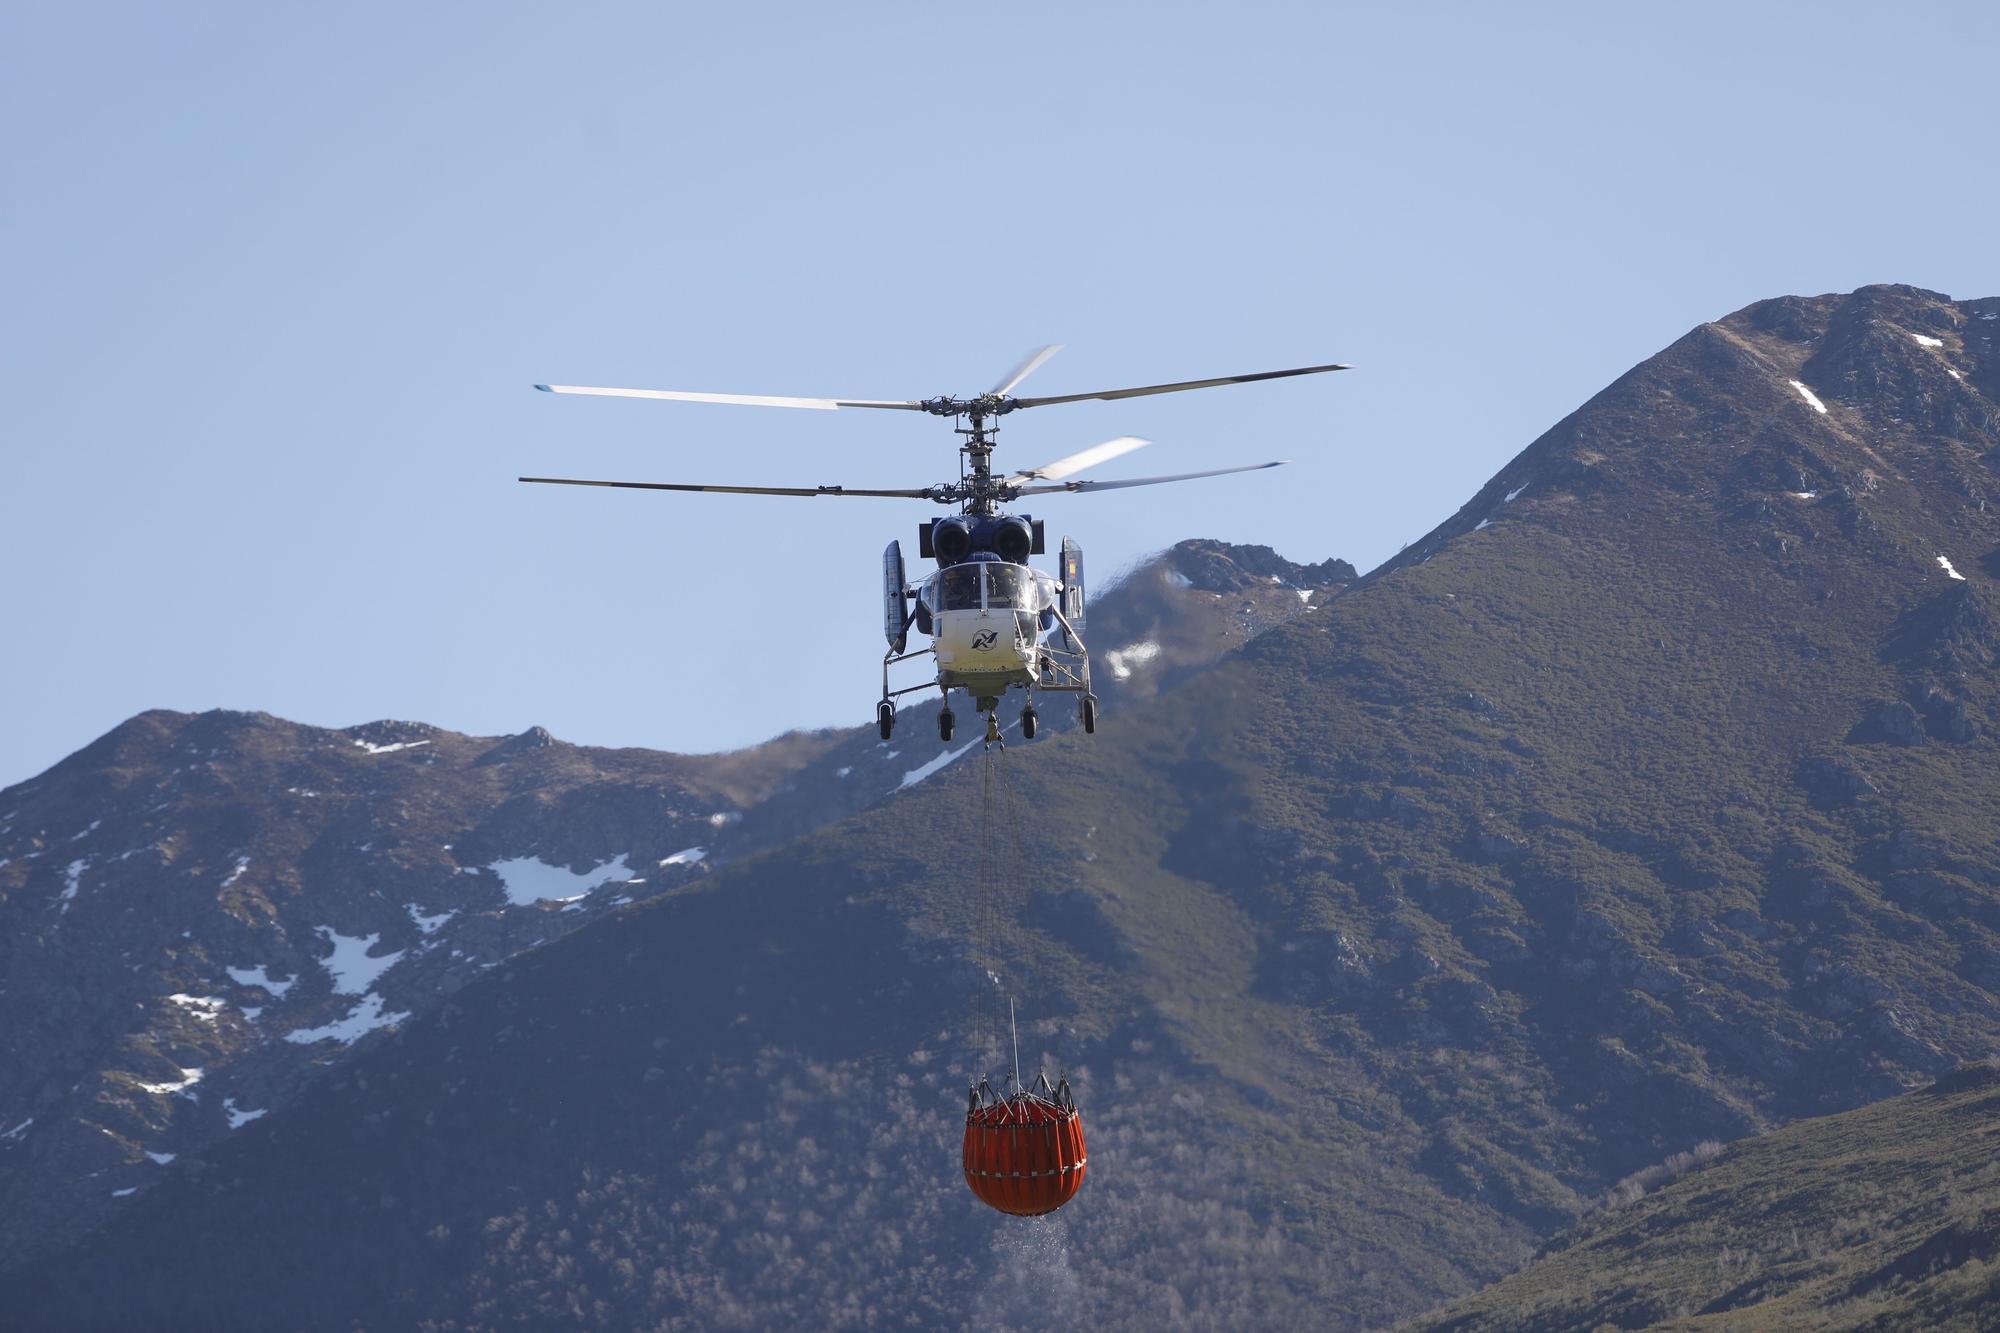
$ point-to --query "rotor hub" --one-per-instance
(986, 405)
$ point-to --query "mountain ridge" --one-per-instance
(205, 912)
(1882, 1216)
(1588, 831)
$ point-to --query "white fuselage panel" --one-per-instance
(984, 644)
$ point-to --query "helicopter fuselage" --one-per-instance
(986, 618)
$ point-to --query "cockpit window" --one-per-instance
(961, 588)
(1009, 588)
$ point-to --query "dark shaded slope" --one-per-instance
(1583, 791)
(739, 1106)
(1885, 1217)
(1653, 799)
(187, 901)
(202, 913)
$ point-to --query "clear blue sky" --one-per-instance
(279, 277)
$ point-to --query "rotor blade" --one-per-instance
(1176, 388)
(1143, 481)
(1027, 367)
(748, 399)
(1077, 462)
(731, 490)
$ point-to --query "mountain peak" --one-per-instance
(1896, 350)
(534, 738)
(1796, 415)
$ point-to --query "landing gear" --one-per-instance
(885, 718)
(1087, 713)
(1028, 720)
(993, 728)
(945, 724)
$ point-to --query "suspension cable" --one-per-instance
(982, 920)
(997, 867)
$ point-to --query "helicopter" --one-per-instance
(995, 622)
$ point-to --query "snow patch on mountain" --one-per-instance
(361, 1020)
(373, 748)
(528, 880)
(353, 971)
(260, 976)
(238, 1119)
(1122, 660)
(429, 925)
(922, 771)
(188, 1078)
(207, 1008)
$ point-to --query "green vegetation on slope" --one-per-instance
(1651, 800)
(1885, 1217)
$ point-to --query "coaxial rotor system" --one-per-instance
(977, 489)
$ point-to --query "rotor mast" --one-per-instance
(981, 494)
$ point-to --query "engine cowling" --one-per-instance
(1013, 540)
(951, 540)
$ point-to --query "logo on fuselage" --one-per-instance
(984, 641)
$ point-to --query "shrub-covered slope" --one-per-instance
(1651, 799)
(201, 914)
(1885, 1217)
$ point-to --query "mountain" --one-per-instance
(202, 914)
(1651, 799)
(1884, 1217)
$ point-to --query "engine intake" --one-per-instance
(951, 540)
(1013, 540)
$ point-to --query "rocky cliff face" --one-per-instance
(1651, 799)
(202, 914)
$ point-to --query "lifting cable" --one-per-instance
(985, 981)
(998, 866)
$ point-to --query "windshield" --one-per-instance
(961, 588)
(1009, 587)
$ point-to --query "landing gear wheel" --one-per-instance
(885, 718)
(1028, 720)
(1087, 711)
(945, 721)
